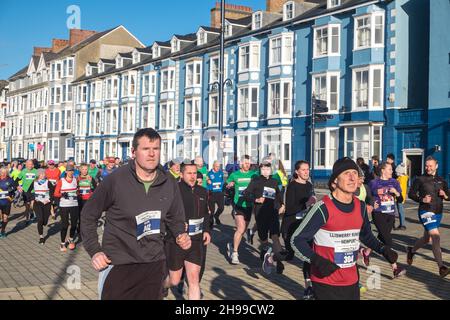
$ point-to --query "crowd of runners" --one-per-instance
(159, 219)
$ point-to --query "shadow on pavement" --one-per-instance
(433, 282)
(235, 289)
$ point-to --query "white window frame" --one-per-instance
(210, 116)
(286, 13)
(372, 26)
(249, 109)
(255, 23)
(329, 162)
(333, 3)
(170, 116)
(192, 146)
(329, 51)
(371, 69)
(371, 140)
(194, 79)
(252, 151)
(212, 77)
(284, 59)
(202, 37)
(281, 114)
(254, 52)
(195, 123)
(328, 76)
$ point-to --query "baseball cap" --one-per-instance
(51, 162)
(93, 161)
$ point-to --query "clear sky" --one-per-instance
(25, 24)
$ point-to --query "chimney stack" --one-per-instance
(38, 50)
(232, 11)
(78, 35)
(59, 44)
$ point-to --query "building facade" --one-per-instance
(374, 62)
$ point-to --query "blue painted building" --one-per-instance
(380, 65)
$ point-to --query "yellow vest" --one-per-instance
(403, 181)
(283, 178)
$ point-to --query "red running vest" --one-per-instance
(338, 241)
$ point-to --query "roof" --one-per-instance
(21, 72)
(126, 55)
(163, 44)
(108, 61)
(186, 37)
(241, 22)
(92, 64)
(49, 56)
(147, 50)
(36, 61)
(209, 29)
(3, 84)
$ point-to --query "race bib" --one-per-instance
(42, 195)
(4, 194)
(428, 217)
(217, 186)
(30, 176)
(72, 196)
(53, 182)
(85, 191)
(346, 245)
(241, 191)
(148, 223)
(269, 193)
(195, 226)
(387, 206)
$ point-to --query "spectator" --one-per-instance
(365, 170)
(390, 159)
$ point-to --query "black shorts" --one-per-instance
(177, 256)
(246, 212)
(267, 223)
(6, 210)
(28, 196)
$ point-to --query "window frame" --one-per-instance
(328, 161)
(329, 53)
(372, 31)
(371, 69)
(282, 97)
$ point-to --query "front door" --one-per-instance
(125, 146)
(414, 160)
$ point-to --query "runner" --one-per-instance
(240, 181)
(110, 168)
(263, 192)
(141, 203)
(67, 199)
(195, 201)
(94, 171)
(215, 180)
(386, 192)
(174, 169)
(7, 189)
(28, 175)
(300, 197)
(53, 174)
(337, 224)
(43, 191)
(86, 187)
(202, 169)
(429, 191)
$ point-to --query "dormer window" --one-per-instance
(257, 20)
(333, 3)
(228, 29)
(119, 63)
(201, 38)
(156, 51)
(100, 67)
(289, 11)
(136, 57)
(88, 71)
(175, 45)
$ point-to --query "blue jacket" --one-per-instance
(217, 181)
(7, 189)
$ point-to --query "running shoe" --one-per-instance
(217, 220)
(235, 258)
(267, 266)
(71, 244)
(2, 235)
(399, 272)
(42, 241)
(409, 255)
(250, 236)
(365, 257)
(262, 254)
(280, 267)
(62, 247)
(308, 294)
(443, 271)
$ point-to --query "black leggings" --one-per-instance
(43, 212)
(288, 227)
(74, 215)
(216, 198)
(384, 224)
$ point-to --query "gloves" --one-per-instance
(324, 266)
(390, 255)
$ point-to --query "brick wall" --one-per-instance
(77, 35)
(59, 44)
(232, 11)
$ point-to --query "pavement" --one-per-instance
(29, 271)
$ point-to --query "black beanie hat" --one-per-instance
(340, 166)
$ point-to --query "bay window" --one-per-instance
(248, 101)
(327, 40)
(363, 142)
(326, 146)
(368, 87)
(280, 99)
(369, 31)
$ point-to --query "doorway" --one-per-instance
(414, 160)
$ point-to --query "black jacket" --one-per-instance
(429, 185)
(297, 195)
(122, 196)
(195, 201)
(255, 190)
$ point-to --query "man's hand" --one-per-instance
(230, 185)
(427, 199)
(443, 194)
(100, 261)
(282, 210)
(394, 191)
(260, 200)
(369, 209)
(208, 181)
(206, 238)
(184, 241)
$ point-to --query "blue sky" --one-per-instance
(25, 24)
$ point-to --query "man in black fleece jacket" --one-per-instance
(195, 200)
(141, 203)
